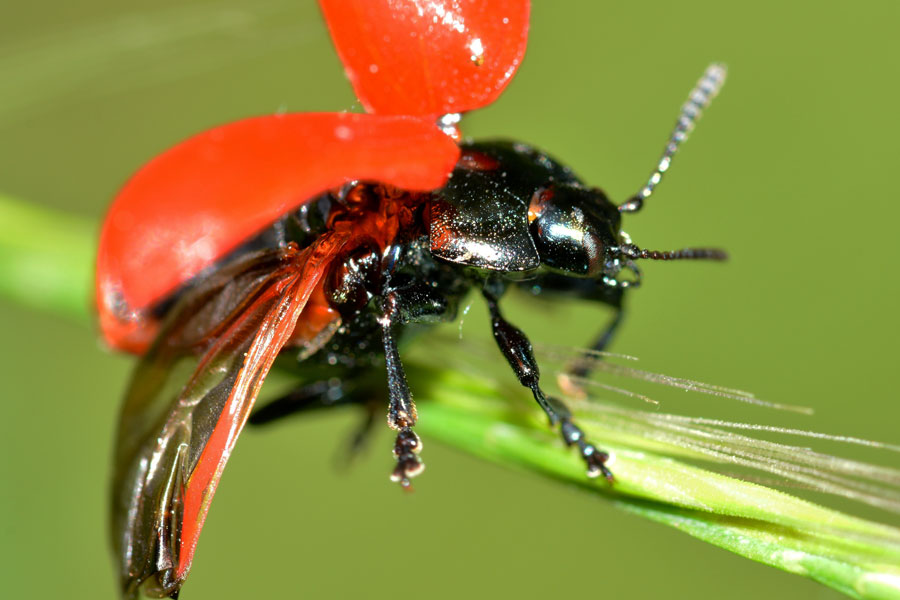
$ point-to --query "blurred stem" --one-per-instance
(46, 259)
(46, 263)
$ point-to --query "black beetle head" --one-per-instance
(575, 229)
(577, 233)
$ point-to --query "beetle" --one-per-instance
(317, 238)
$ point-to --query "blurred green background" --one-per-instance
(791, 170)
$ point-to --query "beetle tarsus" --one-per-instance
(594, 459)
(406, 449)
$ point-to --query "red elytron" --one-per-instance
(410, 62)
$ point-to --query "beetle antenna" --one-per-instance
(699, 98)
(633, 252)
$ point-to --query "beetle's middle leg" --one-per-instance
(412, 302)
(401, 408)
(518, 352)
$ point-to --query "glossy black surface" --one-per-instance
(576, 230)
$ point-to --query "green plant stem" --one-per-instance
(46, 259)
(46, 263)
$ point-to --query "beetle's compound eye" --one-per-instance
(572, 229)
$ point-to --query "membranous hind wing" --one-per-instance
(189, 399)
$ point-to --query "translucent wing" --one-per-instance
(175, 437)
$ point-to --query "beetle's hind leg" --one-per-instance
(351, 388)
(518, 352)
(321, 394)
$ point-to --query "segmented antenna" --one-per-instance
(633, 252)
(699, 98)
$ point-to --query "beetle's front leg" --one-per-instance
(401, 408)
(518, 352)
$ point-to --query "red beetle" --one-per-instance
(320, 236)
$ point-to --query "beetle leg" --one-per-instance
(518, 352)
(401, 408)
(582, 367)
(323, 394)
(361, 435)
(320, 394)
